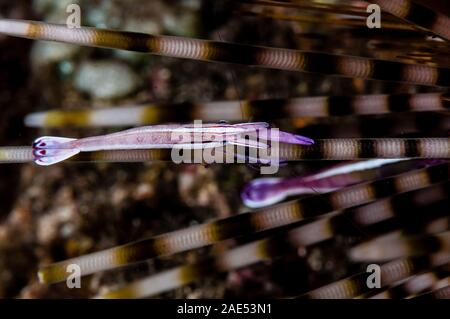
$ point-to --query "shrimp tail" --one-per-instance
(49, 150)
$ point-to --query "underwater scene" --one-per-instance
(232, 149)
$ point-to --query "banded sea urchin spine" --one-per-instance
(267, 57)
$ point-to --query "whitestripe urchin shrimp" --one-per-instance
(376, 97)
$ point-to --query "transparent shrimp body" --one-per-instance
(49, 150)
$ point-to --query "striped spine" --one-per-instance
(433, 124)
(16, 154)
(369, 148)
(382, 249)
(418, 284)
(442, 293)
(24, 154)
(266, 57)
(391, 273)
(326, 149)
(269, 248)
(270, 109)
(247, 223)
(417, 14)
